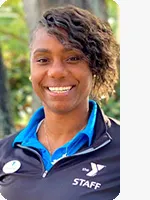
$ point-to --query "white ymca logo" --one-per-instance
(95, 169)
(88, 183)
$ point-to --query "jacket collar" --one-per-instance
(101, 134)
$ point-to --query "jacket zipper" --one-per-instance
(45, 172)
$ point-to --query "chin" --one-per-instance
(60, 108)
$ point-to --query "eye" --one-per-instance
(74, 59)
(42, 61)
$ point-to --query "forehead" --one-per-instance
(44, 40)
(41, 36)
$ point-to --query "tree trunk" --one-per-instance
(6, 126)
(32, 12)
(34, 8)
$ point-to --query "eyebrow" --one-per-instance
(43, 50)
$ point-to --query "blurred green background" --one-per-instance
(16, 22)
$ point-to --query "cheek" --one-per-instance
(36, 73)
(87, 82)
(90, 83)
(89, 78)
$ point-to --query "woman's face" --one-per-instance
(61, 77)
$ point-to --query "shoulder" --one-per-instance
(6, 143)
(8, 138)
(114, 124)
(114, 131)
(109, 121)
(6, 148)
(115, 121)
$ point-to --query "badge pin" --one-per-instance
(11, 167)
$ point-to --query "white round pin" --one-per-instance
(11, 167)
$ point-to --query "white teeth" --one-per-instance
(60, 89)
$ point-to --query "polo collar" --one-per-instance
(30, 130)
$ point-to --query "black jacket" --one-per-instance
(93, 173)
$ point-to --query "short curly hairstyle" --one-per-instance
(90, 35)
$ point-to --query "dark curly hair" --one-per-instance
(93, 37)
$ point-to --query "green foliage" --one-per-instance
(14, 43)
(112, 107)
(113, 12)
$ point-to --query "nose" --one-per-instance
(57, 70)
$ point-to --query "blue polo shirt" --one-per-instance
(28, 137)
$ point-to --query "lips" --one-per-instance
(60, 89)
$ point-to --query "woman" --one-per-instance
(69, 150)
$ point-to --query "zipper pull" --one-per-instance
(45, 173)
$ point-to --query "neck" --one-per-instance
(60, 128)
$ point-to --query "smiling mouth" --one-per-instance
(60, 89)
